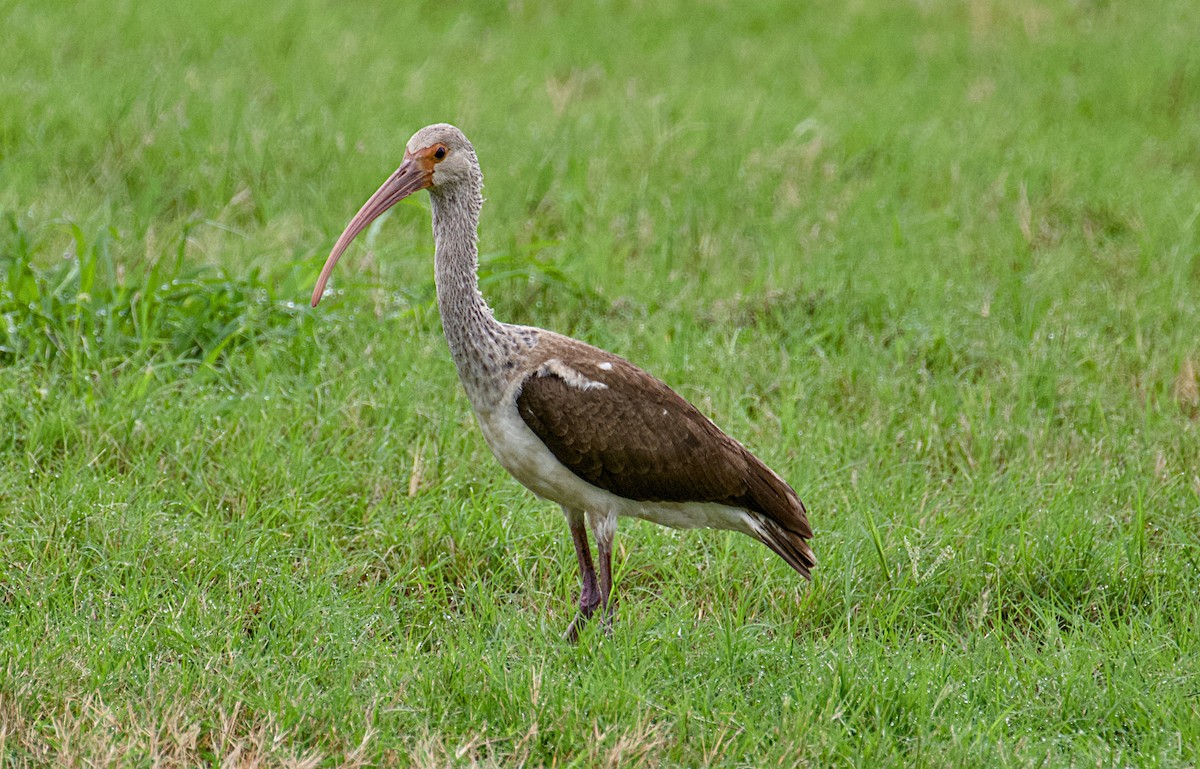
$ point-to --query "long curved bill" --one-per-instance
(412, 175)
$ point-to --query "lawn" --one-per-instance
(937, 263)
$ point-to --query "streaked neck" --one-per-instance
(478, 343)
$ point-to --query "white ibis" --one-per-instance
(575, 424)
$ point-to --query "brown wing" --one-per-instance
(638, 439)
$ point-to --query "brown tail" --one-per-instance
(788, 545)
(779, 519)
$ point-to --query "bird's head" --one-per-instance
(436, 158)
(445, 152)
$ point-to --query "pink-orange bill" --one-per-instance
(412, 175)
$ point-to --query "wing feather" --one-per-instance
(637, 438)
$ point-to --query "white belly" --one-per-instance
(524, 455)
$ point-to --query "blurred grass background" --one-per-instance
(936, 262)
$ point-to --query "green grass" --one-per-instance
(937, 263)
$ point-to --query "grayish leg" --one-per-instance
(604, 528)
(590, 596)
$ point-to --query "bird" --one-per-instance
(575, 424)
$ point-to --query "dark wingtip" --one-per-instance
(788, 545)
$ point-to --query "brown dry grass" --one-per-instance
(1187, 389)
(638, 746)
(89, 733)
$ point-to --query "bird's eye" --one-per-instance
(440, 152)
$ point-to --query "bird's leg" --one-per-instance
(589, 597)
(604, 528)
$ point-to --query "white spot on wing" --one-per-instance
(606, 366)
(555, 367)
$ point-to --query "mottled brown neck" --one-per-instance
(479, 345)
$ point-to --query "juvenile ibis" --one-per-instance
(575, 424)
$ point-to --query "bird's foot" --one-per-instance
(607, 620)
(588, 605)
(572, 634)
(581, 618)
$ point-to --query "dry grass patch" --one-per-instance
(89, 733)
